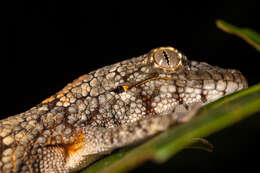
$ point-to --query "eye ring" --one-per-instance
(167, 59)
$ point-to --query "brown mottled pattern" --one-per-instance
(109, 108)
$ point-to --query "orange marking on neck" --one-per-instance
(13, 160)
(50, 99)
(71, 149)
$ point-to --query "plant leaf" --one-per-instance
(212, 118)
(249, 35)
(201, 144)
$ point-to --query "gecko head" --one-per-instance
(175, 81)
(164, 80)
(211, 82)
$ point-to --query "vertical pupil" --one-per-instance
(166, 57)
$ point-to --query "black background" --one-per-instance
(48, 44)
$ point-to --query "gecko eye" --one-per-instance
(167, 59)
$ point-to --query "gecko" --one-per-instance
(110, 108)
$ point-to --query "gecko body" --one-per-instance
(109, 108)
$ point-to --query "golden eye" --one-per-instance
(166, 59)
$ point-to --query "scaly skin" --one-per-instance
(110, 108)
